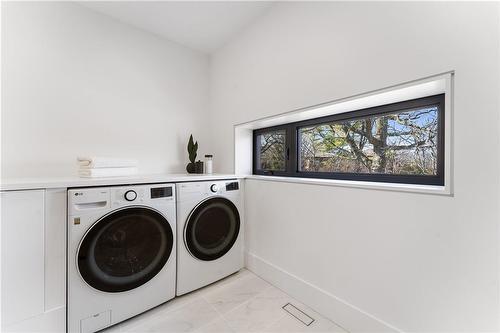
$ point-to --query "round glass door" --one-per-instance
(125, 249)
(212, 229)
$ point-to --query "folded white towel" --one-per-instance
(105, 162)
(106, 172)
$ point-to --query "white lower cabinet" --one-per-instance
(33, 252)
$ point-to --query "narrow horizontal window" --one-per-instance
(398, 143)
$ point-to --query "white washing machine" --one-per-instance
(210, 232)
(121, 253)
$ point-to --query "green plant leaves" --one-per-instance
(192, 148)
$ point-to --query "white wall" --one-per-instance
(416, 262)
(76, 82)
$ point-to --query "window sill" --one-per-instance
(423, 189)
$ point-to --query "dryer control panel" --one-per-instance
(199, 190)
(223, 186)
(232, 186)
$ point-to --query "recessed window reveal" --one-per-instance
(400, 143)
(397, 138)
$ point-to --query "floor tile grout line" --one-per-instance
(274, 322)
(160, 312)
(221, 315)
(188, 302)
(212, 321)
(204, 297)
(248, 301)
(219, 287)
(283, 314)
(262, 291)
(194, 296)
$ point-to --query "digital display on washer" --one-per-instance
(161, 192)
(233, 186)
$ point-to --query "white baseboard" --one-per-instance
(341, 312)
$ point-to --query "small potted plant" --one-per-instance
(193, 166)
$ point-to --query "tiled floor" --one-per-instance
(242, 302)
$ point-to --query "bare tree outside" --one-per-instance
(403, 143)
(272, 150)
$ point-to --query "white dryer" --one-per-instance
(121, 253)
(209, 232)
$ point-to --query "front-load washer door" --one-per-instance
(212, 228)
(125, 249)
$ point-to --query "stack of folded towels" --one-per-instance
(106, 167)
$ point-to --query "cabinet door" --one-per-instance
(22, 234)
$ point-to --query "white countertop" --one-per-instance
(13, 184)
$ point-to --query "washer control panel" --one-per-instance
(140, 195)
(83, 201)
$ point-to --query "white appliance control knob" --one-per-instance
(130, 195)
(214, 188)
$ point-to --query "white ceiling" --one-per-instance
(201, 25)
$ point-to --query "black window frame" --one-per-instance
(292, 145)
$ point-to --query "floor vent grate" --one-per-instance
(298, 314)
